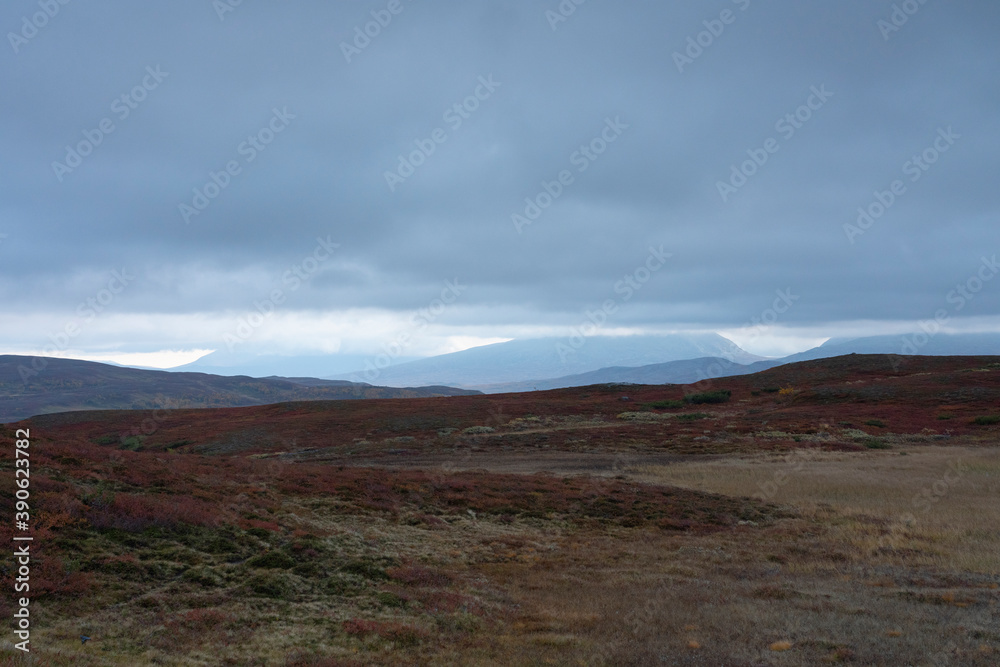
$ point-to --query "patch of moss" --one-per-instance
(275, 560)
(274, 585)
(204, 576)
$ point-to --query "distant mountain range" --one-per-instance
(694, 370)
(520, 360)
(909, 344)
(222, 362)
(521, 365)
(687, 371)
(546, 363)
(68, 384)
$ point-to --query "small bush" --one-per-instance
(348, 585)
(875, 422)
(390, 599)
(272, 560)
(204, 576)
(366, 569)
(458, 622)
(771, 390)
(875, 443)
(720, 396)
(640, 416)
(478, 430)
(691, 416)
(664, 405)
(133, 443)
(786, 391)
(986, 420)
(276, 585)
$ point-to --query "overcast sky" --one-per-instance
(176, 163)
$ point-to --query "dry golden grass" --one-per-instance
(775, 596)
(880, 567)
(941, 501)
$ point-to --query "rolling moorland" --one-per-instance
(30, 386)
(836, 511)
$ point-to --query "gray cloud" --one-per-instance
(324, 174)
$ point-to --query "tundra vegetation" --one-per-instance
(842, 522)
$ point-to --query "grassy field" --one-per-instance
(940, 502)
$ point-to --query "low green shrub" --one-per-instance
(366, 569)
(204, 576)
(664, 405)
(276, 585)
(986, 420)
(691, 416)
(477, 430)
(390, 599)
(720, 396)
(274, 560)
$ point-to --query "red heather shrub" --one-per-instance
(445, 602)
(247, 524)
(49, 576)
(357, 627)
(201, 619)
(417, 575)
(396, 632)
(134, 513)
